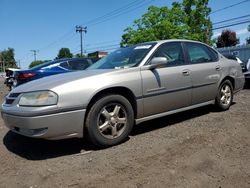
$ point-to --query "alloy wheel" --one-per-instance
(225, 95)
(112, 120)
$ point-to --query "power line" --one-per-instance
(230, 6)
(231, 19)
(232, 24)
(97, 46)
(106, 42)
(119, 14)
(58, 40)
(94, 20)
(100, 48)
(105, 49)
(106, 46)
(102, 19)
(118, 10)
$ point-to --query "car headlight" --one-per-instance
(38, 98)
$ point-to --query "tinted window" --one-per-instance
(80, 64)
(173, 52)
(199, 53)
(65, 65)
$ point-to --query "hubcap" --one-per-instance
(112, 120)
(225, 95)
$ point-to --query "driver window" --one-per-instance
(173, 52)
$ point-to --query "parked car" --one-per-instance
(247, 73)
(131, 85)
(9, 78)
(233, 57)
(51, 68)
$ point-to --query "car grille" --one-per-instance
(11, 98)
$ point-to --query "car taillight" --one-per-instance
(24, 76)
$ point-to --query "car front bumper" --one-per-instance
(52, 126)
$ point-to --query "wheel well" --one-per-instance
(125, 92)
(230, 79)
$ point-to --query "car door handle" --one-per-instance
(218, 68)
(186, 72)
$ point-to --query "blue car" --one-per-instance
(51, 68)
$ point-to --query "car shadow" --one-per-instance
(40, 149)
(247, 85)
(171, 120)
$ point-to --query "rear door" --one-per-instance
(167, 88)
(206, 71)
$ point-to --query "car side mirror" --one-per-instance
(158, 62)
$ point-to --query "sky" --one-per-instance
(48, 25)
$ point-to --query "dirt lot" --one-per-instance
(198, 148)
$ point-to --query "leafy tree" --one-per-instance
(197, 19)
(35, 63)
(64, 53)
(8, 56)
(226, 39)
(38, 62)
(160, 23)
(79, 55)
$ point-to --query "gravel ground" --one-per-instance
(197, 148)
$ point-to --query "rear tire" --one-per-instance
(224, 96)
(109, 121)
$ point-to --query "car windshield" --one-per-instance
(123, 57)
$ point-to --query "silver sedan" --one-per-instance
(129, 86)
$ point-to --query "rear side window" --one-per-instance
(199, 53)
(65, 65)
(76, 64)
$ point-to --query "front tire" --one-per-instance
(109, 121)
(224, 96)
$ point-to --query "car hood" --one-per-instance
(51, 82)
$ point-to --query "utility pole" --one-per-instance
(81, 29)
(34, 52)
(19, 64)
(2, 67)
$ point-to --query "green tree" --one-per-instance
(160, 23)
(64, 53)
(38, 62)
(226, 39)
(196, 17)
(35, 63)
(8, 57)
(79, 55)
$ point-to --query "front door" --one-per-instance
(167, 88)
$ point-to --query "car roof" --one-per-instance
(173, 40)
